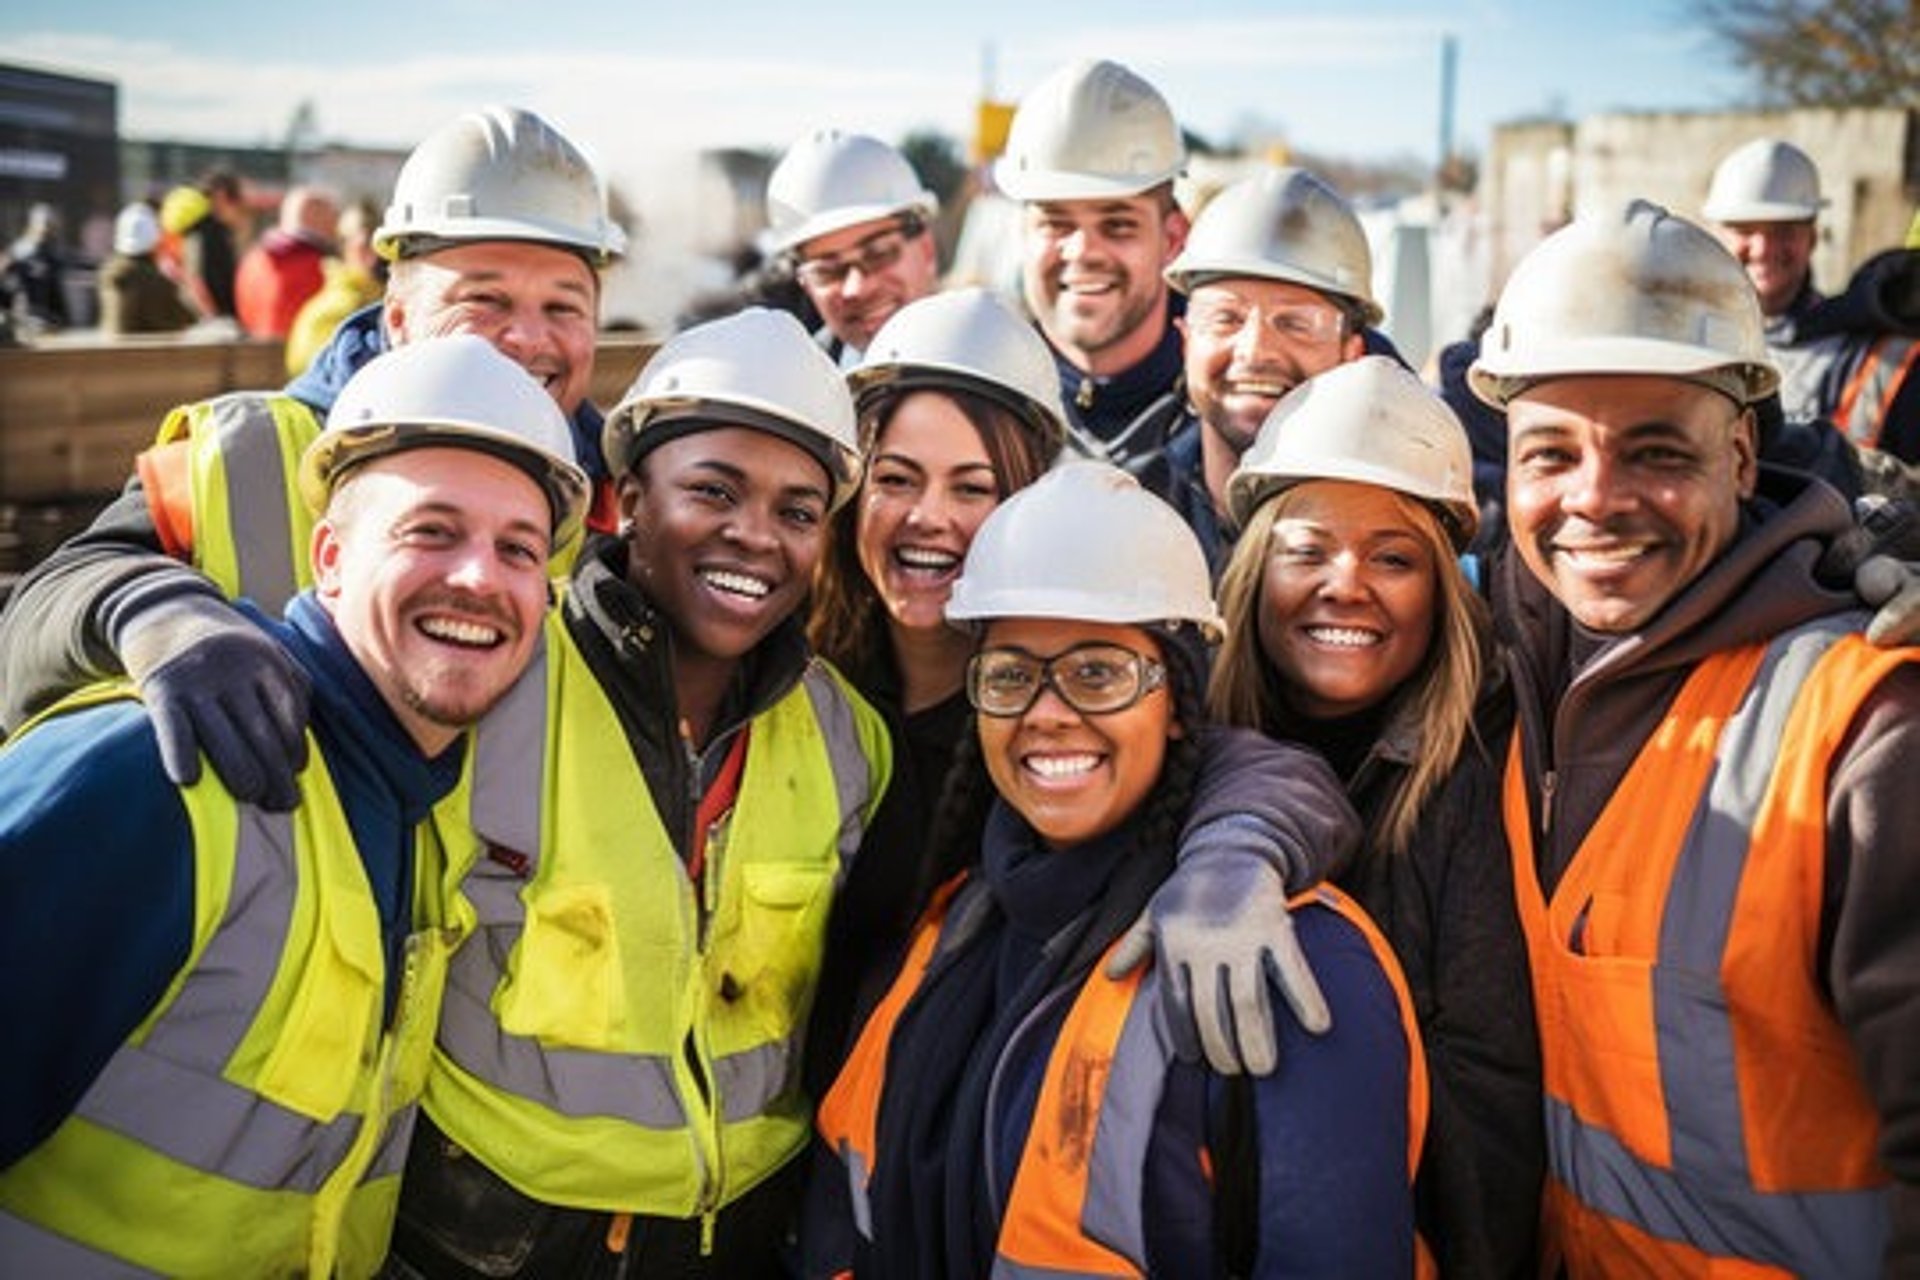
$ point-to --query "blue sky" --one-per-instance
(637, 80)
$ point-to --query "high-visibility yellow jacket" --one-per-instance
(257, 1121)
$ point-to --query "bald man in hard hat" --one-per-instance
(1847, 359)
(855, 226)
(1710, 791)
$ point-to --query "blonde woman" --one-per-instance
(1352, 629)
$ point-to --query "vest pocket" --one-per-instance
(774, 958)
(330, 1035)
(563, 981)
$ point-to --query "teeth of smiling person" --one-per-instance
(458, 632)
(926, 558)
(1062, 766)
(738, 584)
(1344, 637)
(1271, 390)
(1613, 553)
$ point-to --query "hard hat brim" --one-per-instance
(1029, 185)
(1186, 277)
(1763, 211)
(1497, 381)
(337, 452)
(832, 220)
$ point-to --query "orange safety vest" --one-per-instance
(1869, 394)
(1705, 1112)
(1074, 1208)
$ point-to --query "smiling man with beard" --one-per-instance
(667, 806)
(1279, 285)
(1091, 155)
(218, 1058)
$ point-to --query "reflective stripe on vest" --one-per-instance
(851, 1110)
(251, 529)
(612, 1042)
(228, 1135)
(1075, 1209)
(1703, 1104)
(1869, 395)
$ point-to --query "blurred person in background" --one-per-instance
(33, 274)
(209, 220)
(283, 268)
(352, 280)
(136, 296)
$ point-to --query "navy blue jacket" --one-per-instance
(97, 868)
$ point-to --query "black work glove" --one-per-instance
(215, 684)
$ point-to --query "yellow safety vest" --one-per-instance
(257, 1121)
(612, 1041)
(222, 486)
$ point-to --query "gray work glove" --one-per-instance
(1220, 931)
(214, 683)
(1893, 588)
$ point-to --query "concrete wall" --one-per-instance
(1869, 165)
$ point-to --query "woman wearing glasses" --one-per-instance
(959, 407)
(1353, 631)
(1011, 1109)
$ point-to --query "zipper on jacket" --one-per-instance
(1548, 781)
(1084, 396)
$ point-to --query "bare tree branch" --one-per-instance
(1828, 53)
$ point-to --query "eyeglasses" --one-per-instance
(1094, 679)
(1302, 324)
(870, 257)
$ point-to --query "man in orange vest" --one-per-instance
(1847, 359)
(1707, 792)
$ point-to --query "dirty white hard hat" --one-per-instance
(1090, 131)
(1280, 224)
(829, 181)
(1086, 543)
(970, 340)
(1767, 180)
(1630, 289)
(455, 391)
(1369, 421)
(501, 173)
(757, 368)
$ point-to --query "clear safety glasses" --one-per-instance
(1094, 679)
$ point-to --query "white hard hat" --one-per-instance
(1369, 421)
(1086, 543)
(1767, 180)
(757, 368)
(455, 391)
(829, 181)
(1090, 131)
(1280, 224)
(501, 173)
(970, 340)
(136, 229)
(1630, 290)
